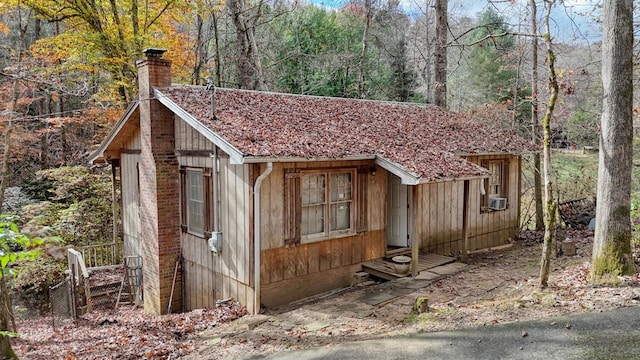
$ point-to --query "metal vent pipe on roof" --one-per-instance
(211, 87)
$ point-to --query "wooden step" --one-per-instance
(385, 268)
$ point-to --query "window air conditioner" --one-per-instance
(497, 203)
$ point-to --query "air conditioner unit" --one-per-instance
(497, 203)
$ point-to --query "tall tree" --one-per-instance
(368, 9)
(6, 352)
(549, 204)
(535, 125)
(107, 35)
(249, 66)
(489, 76)
(393, 63)
(612, 240)
(440, 78)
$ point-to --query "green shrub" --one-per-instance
(33, 279)
(76, 206)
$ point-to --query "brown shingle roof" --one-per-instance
(424, 140)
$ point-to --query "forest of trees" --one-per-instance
(73, 63)
(67, 71)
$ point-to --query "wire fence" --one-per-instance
(104, 289)
(61, 302)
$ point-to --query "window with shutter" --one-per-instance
(322, 204)
(196, 186)
(496, 185)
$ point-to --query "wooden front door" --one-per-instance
(397, 212)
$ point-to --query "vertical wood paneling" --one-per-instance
(302, 260)
(439, 220)
(325, 255)
(313, 256)
(130, 205)
(232, 230)
(376, 188)
(209, 277)
(291, 263)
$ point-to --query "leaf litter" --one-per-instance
(123, 333)
(499, 286)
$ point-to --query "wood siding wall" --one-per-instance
(208, 277)
(131, 196)
(439, 206)
(289, 273)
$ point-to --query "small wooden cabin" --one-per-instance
(267, 198)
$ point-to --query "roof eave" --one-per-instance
(488, 153)
(411, 179)
(236, 157)
(459, 178)
(406, 177)
(98, 155)
(265, 159)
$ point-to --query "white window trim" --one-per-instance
(200, 173)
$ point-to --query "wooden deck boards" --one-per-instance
(385, 269)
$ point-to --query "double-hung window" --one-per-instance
(196, 186)
(195, 202)
(496, 185)
(324, 204)
(327, 204)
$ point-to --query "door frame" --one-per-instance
(409, 218)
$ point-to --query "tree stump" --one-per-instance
(568, 247)
(421, 305)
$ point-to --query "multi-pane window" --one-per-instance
(326, 203)
(195, 202)
(495, 179)
(196, 186)
(496, 185)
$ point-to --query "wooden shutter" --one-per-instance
(292, 207)
(484, 199)
(207, 194)
(183, 199)
(361, 199)
(505, 181)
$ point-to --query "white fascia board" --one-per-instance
(99, 153)
(394, 168)
(265, 159)
(235, 156)
(410, 179)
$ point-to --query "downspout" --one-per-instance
(216, 190)
(257, 247)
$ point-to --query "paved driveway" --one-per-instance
(608, 335)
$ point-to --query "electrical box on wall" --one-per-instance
(215, 242)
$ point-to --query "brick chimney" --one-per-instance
(159, 188)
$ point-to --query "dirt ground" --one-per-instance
(497, 286)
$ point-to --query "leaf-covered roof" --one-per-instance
(424, 140)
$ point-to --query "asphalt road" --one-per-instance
(607, 335)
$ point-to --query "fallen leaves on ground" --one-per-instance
(124, 333)
(501, 286)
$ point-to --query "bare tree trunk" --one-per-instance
(365, 43)
(612, 239)
(199, 52)
(550, 206)
(216, 37)
(6, 351)
(440, 78)
(5, 300)
(535, 126)
(249, 66)
(428, 73)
